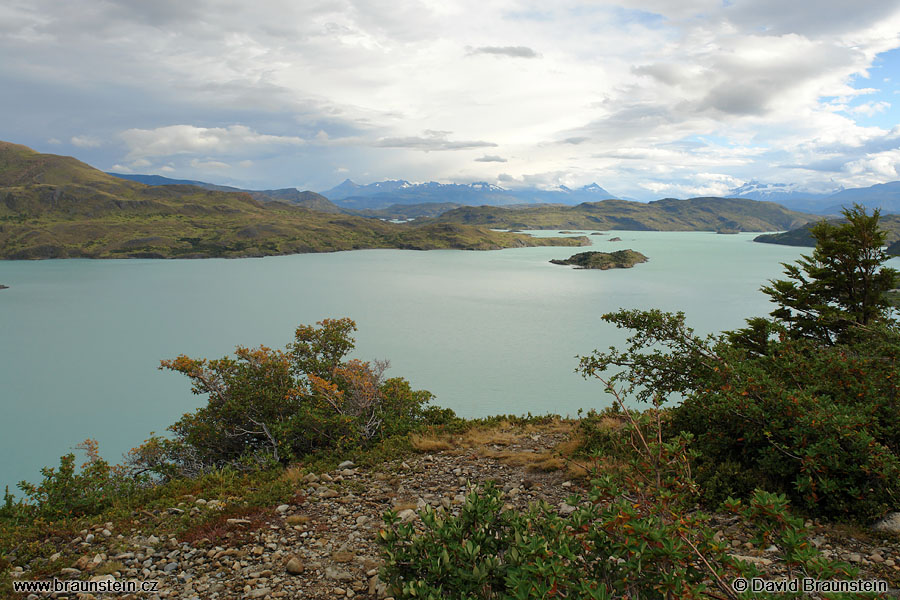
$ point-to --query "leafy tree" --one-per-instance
(842, 285)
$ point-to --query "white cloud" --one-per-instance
(85, 141)
(870, 109)
(205, 165)
(188, 139)
(614, 91)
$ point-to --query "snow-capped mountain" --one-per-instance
(789, 195)
(385, 193)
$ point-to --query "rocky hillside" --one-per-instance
(321, 543)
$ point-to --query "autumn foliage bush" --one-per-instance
(269, 406)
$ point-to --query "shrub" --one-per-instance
(272, 405)
(68, 492)
(816, 422)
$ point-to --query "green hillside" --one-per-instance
(58, 207)
(802, 237)
(695, 214)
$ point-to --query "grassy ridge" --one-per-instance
(58, 207)
(694, 214)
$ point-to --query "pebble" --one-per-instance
(294, 566)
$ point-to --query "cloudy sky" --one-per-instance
(649, 98)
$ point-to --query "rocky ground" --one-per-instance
(322, 544)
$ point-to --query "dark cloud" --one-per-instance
(511, 51)
(827, 18)
(491, 158)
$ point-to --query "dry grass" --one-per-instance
(498, 441)
(293, 475)
(110, 567)
(430, 443)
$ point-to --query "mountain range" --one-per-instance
(883, 196)
(724, 215)
(383, 194)
(398, 198)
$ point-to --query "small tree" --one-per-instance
(842, 285)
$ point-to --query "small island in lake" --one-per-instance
(621, 259)
(3, 287)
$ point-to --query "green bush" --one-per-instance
(804, 403)
(69, 492)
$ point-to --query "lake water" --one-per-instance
(486, 332)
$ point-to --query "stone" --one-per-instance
(377, 588)
(260, 593)
(347, 464)
(337, 574)
(362, 520)
(294, 566)
(407, 515)
(283, 508)
(327, 493)
(342, 557)
(89, 538)
(566, 509)
(890, 523)
(854, 558)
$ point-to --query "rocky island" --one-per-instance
(621, 259)
(3, 287)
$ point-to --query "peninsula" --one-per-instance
(58, 207)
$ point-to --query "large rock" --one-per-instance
(294, 566)
(890, 523)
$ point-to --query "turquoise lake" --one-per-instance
(486, 332)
